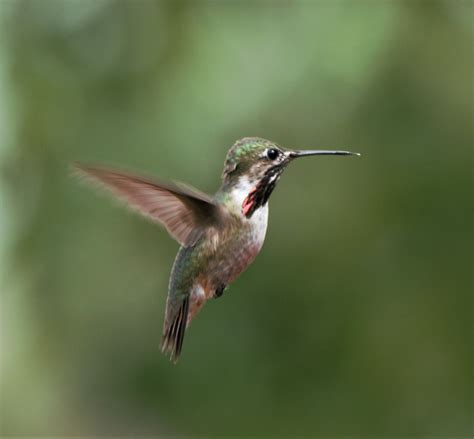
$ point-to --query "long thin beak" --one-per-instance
(304, 153)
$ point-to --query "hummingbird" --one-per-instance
(220, 235)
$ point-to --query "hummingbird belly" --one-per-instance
(216, 262)
(238, 249)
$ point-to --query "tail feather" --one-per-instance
(173, 335)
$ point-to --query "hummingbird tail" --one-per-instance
(173, 335)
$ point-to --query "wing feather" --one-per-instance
(184, 211)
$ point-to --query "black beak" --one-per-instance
(304, 153)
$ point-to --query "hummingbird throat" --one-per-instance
(260, 194)
(248, 202)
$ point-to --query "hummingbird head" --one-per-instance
(253, 167)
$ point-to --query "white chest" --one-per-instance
(240, 191)
(258, 221)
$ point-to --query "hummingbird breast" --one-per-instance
(218, 258)
(237, 247)
(220, 255)
(241, 240)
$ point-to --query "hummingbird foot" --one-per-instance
(219, 291)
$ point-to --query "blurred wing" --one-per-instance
(184, 211)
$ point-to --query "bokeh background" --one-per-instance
(356, 317)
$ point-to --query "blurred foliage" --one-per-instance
(356, 317)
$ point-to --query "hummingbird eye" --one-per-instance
(272, 153)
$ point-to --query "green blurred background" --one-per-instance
(356, 317)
